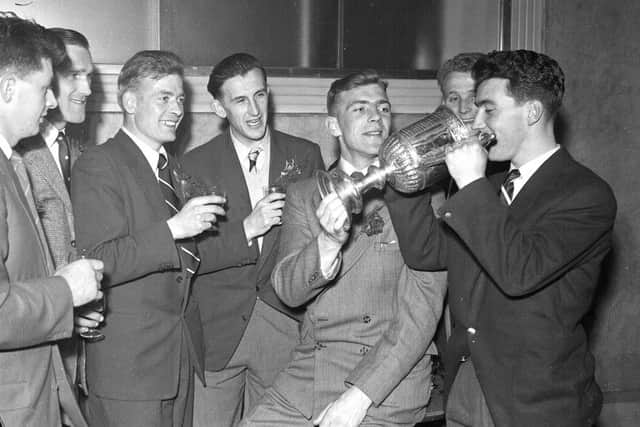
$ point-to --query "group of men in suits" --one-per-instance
(204, 291)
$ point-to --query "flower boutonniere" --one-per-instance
(373, 223)
(289, 174)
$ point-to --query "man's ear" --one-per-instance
(332, 124)
(534, 111)
(7, 87)
(129, 102)
(218, 109)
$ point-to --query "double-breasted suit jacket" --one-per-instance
(36, 310)
(53, 203)
(370, 325)
(521, 279)
(151, 320)
(216, 162)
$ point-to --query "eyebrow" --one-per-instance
(362, 101)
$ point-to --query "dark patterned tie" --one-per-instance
(188, 250)
(508, 184)
(64, 155)
(253, 158)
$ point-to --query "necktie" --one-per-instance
(188, 250)
(23, 178)
(508, 183)
(65, 159)
(253, 158)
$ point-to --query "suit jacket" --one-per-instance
(53, 204)
(370, 325)
(522, 277)
(150, 321)
(216, 162)
(36, 309)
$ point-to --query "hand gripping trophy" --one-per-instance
(411, 159)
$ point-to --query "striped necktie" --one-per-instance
(508, 185)
(187, 247)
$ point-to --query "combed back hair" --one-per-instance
(153, 64)
(238, 64)
(531, 76)
(351, 81)
(24, 44)
(461, 63)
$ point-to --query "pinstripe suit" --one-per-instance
(370, 326)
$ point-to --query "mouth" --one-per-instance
(82, 101)
(254, 123)
(171, 124)
(377, 132)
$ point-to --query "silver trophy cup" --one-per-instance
(410, 160)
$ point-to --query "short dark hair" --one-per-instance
(360, 78)
(237, 64)
(531, 75)
(69, 36)
(153, 64)
(24, 44)
(461, 63)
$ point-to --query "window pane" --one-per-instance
(281, 33)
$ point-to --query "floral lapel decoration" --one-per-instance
(373, 223)
(289, 174)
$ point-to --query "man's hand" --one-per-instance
(347, 411)
(86, 318)
(266, 214)
(334, 219)
(83, 278)
(466, 161)
(197, 215)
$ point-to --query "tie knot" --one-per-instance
(513, 174)
(253, 157)
(61, 136)
(162, 161)
(357, 176)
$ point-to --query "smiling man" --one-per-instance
(128, 214)
(364, 356)
(248, 332)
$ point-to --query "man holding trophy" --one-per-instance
(523, 257)
(364, 356)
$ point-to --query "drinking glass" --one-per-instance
(92, 334)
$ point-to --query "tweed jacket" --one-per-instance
(369, 326)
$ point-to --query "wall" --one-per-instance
(598, 45)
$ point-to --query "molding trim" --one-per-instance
(290, 95)
(306, 95)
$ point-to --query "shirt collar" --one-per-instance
(149, 153)
(528, 169)
(49, 133)
(345, 166)
(6, 148)
(243, 149)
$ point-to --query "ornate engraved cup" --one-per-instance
(410, 159)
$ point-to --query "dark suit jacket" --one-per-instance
(35, 311)
(227, 297)
(523, 278)
(370, 325)
(150, 320)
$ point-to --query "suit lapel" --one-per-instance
(140, 169)
(276, 165)
(233, 179)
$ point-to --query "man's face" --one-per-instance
(32, 98)
(362, 121)
(502, 115)
(459, 95)
(75, 87)
(244, 103)
(158, 109)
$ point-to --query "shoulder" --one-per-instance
(204, 152)
(27, 145)
(293, 141)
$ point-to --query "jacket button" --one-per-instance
(73, 243)
(244, 317)
(179, 279)
(257, 288)
(366, 319)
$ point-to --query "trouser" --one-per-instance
(264, 350)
